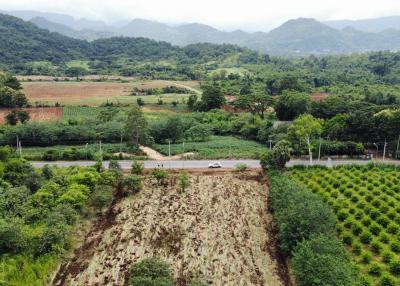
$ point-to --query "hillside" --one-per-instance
(22, 41)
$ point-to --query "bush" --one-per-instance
(133, 183)
(278, 157)
(160, 175)
(395, 267)
(241, 167)
(151, 272)
(299, 215)
(102, 196)
(322, 260)
(137, 168)
(387, 281)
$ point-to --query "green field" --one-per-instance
(219, 147)
(366, 200)
(153, 112)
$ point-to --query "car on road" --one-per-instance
(215, 165)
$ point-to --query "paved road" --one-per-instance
(201, 164)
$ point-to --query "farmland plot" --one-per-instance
(37, 114)
(217, 231)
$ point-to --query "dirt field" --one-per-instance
(90, 93)
(37, 114)
(218, 231)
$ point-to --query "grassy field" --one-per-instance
(366, 201)
(97, 93)
(216, 231)
(152, 112)
(219, 147)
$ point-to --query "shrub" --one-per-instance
(365, 237)
(151, 272)
(133, 183)
(375, 269)
(395, 267)
(137, 168)
(322, 260)
(160, 175)
(241, 167)
(278, 157)
(102, 196)
(395, 247)
(387, 281)
(183, 181)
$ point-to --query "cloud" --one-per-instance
(226, 14)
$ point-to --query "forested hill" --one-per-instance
(22, 42)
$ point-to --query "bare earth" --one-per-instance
(218, 230)
(154, 155)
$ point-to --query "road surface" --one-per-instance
(201, 164)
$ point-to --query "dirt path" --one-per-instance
(215, 231)
(186, 87)
(154, 155)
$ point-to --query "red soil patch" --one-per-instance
(319, 96)
(37, 114)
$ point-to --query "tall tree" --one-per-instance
(136, 125)
(256, 103)
(305, 128)
(213, 97)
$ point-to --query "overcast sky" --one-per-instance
(250, 15)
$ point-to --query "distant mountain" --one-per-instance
(301, 36)
(368, 25)
(84, 34)
(295, 37)
(66, 20)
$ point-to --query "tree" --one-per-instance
(137, 168)
(136, 126)
(11, 118)
(192, 100)
(322, 261)
(23, 116)
(133, 183)
(292, 104)
(14, 116)
(278, 157)
(183, 181)
(160, 175)
(256, 103)
(212, 98)
(305, 128)
(106, 115)
(151, 272)
(199, 132)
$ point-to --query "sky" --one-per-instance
(248, 15)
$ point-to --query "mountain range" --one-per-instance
(301, 36)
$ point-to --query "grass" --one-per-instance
(36, 153)
(219, 147)
(366, 200)
(152, 112)
(24, 270)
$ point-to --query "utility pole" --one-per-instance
(319, 150)
(377, 150)
(183, 154)
(270, 142)
(384, 150)
(397, 149)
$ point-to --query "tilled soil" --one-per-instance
(217, 230)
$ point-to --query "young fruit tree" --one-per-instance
(305, 128)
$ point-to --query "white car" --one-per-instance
(215, 165)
